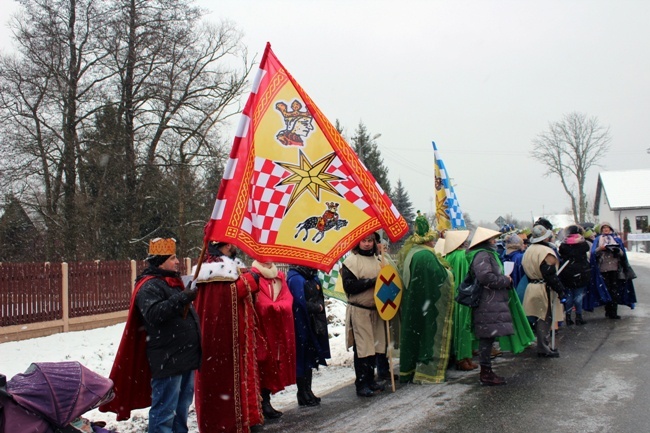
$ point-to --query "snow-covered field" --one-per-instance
(96, 349)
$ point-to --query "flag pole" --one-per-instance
(196, 273)
(389, 351)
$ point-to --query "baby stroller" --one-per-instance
(50, 397)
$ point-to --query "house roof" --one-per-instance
(626, 189)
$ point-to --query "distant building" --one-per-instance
(623, 194)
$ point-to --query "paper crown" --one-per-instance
(162, 247)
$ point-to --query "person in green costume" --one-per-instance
(426, 310)
(463, 341)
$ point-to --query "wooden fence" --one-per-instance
(38, 299)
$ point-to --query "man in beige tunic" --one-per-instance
(365, 330)
(540, 263)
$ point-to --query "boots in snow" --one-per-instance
(489, 377)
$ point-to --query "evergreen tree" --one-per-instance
(402, 202)
(366, 149)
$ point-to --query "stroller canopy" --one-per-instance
(59, 391)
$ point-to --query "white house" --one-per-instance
(623, 194)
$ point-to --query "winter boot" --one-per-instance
(267, 409)
(489, 377)
(309, 377)
(542, 328)
(568, 320)
(580, 320)
(304, 399)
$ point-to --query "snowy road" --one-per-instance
(598, 385)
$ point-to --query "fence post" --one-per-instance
(134, 270)
(65, 297)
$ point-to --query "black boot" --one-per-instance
(542, 328)
(304, 399)
(580, 320)
(364, 369)
(267, 409)
(568, 320)
(309, 377)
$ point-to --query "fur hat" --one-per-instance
(573, 229)
(540, 233)
(454, 239)
(544, 222)
(481, 235)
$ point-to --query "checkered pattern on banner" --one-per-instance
(453, 208)
(329, 281)
(268, 201)
(348, 188)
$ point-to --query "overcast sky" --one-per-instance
(480, 78)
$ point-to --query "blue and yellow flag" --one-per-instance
(448, 213)
(293, 190)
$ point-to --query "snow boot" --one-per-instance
(489, 377)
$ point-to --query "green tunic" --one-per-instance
(427, 307)
(464, 341)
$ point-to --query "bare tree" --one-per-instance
(111, 92)
(568, 149)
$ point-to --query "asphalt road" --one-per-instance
(599, 384)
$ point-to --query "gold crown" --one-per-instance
(289, 116)
(162, 247)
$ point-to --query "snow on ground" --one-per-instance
(96, 350)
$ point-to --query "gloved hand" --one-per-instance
(191, 290)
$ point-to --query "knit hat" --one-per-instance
(160, 249)
(423, 233)
(540, 233)
(514, 240)
(604, 223)
(454, 239)
(589, 233)
(481, 235)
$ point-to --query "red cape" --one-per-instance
(227, 392)
(278, 367)
(131, 374)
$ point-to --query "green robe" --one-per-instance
(464, 341)
(426, 311)
(523, 336)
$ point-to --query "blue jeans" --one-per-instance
(170, 403)
(574, 299)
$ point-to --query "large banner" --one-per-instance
(293, 190)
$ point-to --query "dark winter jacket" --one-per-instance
(492, 316)
(173, 341)
(577, 272)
